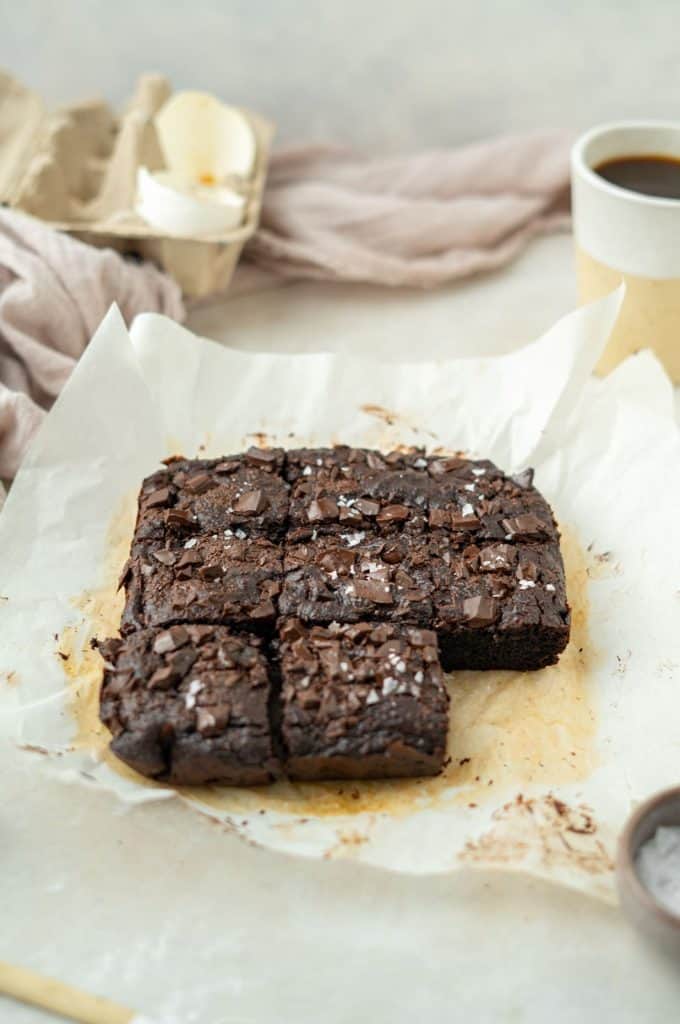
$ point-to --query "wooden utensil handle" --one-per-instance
(49, 994)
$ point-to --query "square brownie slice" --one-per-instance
(356, 576)
(245, 492)
(340, 489)
(498, 604)
(226, 578)
(189, 705)
(361, 701)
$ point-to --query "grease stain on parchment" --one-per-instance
(390, 420)
(508, 729)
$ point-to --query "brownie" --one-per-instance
(356, 576)
(498, 604)
(341, 489)
(474, 498)
(190, 705)
(361, 701)
(289, 604)
(246, 492)
(212, 578)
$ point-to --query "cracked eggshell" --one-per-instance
(172, 203)
(204, 140)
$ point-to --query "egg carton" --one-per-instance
(76, 169)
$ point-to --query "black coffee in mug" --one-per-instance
(651, 175)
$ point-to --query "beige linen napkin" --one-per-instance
(418, 220)
(54, 291)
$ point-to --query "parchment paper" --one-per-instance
(544, 766)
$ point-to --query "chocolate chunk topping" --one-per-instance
(322, 509)
(338, 560)
(250, 503)
(392, 554)
(374, 461)
(470, 522)
(497, 558)
(210, 572)
(170, 639)
(291, 630)
(524, 526)
(261, 456)
(422, 637)
(158, 498)
(367, 507)
(177, 517)
(164, 557)
(188, 558)
(198, 483)
(480, 610)
(448, 465)
(211, 721)
(163, 678)
(263, 610)
(440, 517)
(373, 590)
(393, 513)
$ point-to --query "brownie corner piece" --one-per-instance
(499, 605)
(190, 705)
(246, 492)
(361, 701)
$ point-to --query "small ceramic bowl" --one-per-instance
(638, 903)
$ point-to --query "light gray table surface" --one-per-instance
(383, 76)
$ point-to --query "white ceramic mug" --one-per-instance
(629, 236)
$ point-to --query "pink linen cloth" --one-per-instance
(416, 221)
(54, 292)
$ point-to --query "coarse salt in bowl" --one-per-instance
(648, 869)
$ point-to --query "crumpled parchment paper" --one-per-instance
(544, 766)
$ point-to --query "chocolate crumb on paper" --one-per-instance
(547, 836)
